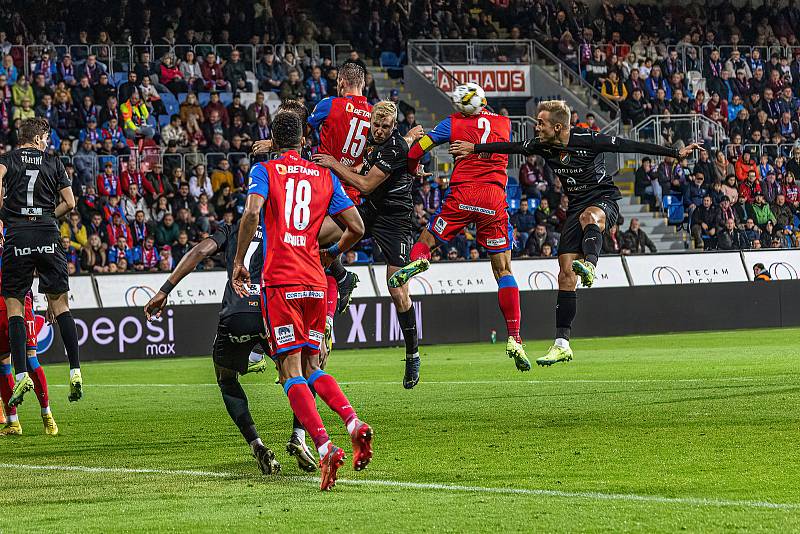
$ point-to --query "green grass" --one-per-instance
(707, 416)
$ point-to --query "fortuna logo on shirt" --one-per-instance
(465, 207)
(294, 240)
(304, 295)
(295, 169)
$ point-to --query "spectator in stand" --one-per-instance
(260, 130)
(531, 177)
(235, 73)
(705, 221)
(113, 132)
(744, 166)
(171, 76)
(215, 105)
(133, 203)
(538, 239)
(9, 70)
(103, 90)
(93, 257)
(204, 213)
(727, 211)
(612, 89)
(634, 108)
(316, 87)
(92, 134)
(74, 230)
(430, 199)
(270, 73)
(151, 97)
(126, 89)
(146, 257)
(408, 122)
(750, 187)
(370, 90)
(213, 76)
(109, 111)
(257, 109)
(25, 112)
(636, 240)
(120, 250)
(21, 91)
(770, 187)
(656, 81)
(181, 247)
(613, 242)
(694, 191)
(134, 116)
(183, 199)
(174, 132)
(731, 238)
(292, 87)
(200, 183)
(597, 68)
(167, 232)
(761, 211)
(191, 73)
(108, 184)
(524, 221)
(544, 215)
(221, 175)
(784, 218)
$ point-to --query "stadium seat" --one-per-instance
(182, 97)
(361, 257)
(119, 78)
(203, 99)
(392, 63)
(163, 120)
(533, 203)
(226, 99)
(673, 206)
(513, 205)
(170, 103)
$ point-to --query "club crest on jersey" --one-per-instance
(563, 157)
(284, 334)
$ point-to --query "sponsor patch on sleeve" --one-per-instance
(284, 334)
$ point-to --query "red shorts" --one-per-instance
(353, 193)
(30, 325)
(295, 317)
(482, 204)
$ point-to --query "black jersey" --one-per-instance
(33, 184)
(580, 165)
(393, 194)
(226, 238)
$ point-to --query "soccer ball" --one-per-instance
(469, 98)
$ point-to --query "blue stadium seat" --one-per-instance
(533, 203)
(392, 63)
(203, 99)
(361, 257)
(513, 205)
(182, 97)
(673, 205)
(170, 103)
(119, 78)
(226, 99)
(163, 120)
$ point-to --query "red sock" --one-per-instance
(332, 295)
(6, 388)
(330, 392)
(420, 250)
(508, 297)
(302, 402)
(39, 385)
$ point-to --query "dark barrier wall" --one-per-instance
(114, 333)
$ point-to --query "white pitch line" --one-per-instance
(468, 382)
(591, 495)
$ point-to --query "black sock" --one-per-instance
(296, 424)
(17, 337)
(236, 403)
(566, 308)
(69, 335)
(337, 270)
(408, 324)
(592, 243)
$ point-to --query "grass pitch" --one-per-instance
(657, 433)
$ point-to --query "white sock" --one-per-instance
(73, 371)
(351, 426)
(412, 356)
(323, 449)
(256, 443)
(13, 418)
(20, 376)
(255, 357)
(300, 433)
(46, 410)
(561, 342)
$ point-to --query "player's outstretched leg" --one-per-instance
(236, 403)
(40, 388)
(69, 335)
(346, 283)
(297, 448)
(407, 318)
(566, 308)
(420, 260)
(12, 426)
(360, 433)
(508, 299)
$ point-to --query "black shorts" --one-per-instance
(29, 250)
(237, 336)
(571, 241)
(393, 233)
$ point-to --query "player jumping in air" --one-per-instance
(240, 330)
(296, 195)
(12, 426)
(477, 194)
(385, 185)
(576, 156)
(37, 193)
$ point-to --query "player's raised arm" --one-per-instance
(439, 135)
(364, 183)
(204, 249)
(257, 194)
(464, 148)
(608, 143)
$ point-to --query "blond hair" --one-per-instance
(558, 109)
(383, 109)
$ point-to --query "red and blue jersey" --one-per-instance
(484, 127)
(298, 195)
(343, 125)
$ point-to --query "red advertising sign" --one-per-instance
(496, 80)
